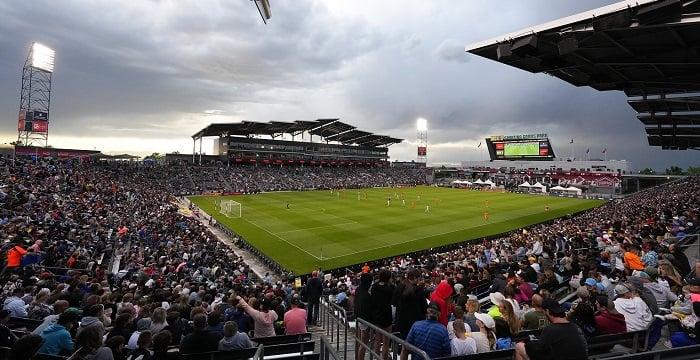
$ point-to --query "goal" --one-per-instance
(230, 208)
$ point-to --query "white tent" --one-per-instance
(539, 186)
(557, 188)
(574, 189)
(479, 182)
(461, 182)
(525, 184)
(489, 183)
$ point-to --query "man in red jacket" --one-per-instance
(608, 320)
(440, 296)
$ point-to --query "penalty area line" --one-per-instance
(275, 235)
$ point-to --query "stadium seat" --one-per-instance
(491, 355)
(600, 346)
(18, 323)
(221, 355)
(681, 353)
(282, 339)
(290, 348)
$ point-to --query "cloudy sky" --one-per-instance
(143, 76)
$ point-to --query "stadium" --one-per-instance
(309, 240)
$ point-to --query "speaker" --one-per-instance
(525, 46)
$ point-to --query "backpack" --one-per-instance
(504, 344)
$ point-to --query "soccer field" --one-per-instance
(331, 230)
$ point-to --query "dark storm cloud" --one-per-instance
(139, 65)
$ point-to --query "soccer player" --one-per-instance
(358, 196)
(288, 206)
(486, 216)
(403, 202)
(388, 201)
(427, 208)
(546, 207)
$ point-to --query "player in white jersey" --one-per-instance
(427, 208)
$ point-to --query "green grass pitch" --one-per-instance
(327, 230)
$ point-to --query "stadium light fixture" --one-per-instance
(42, 57)
(264, 9)
(422, 124)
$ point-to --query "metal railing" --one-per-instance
(327, 352)
(334, 320)
(372, 333)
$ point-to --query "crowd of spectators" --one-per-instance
(101, 258)
(253, 179)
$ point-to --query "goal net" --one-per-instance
(230, 208)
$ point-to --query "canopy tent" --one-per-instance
(461, 182)
(557, 188)
(478, 182)
(525, 184)
(539, 186)
(573, 189)
(489, 183)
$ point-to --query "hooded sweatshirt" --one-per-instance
(636, 313)
(439, 296)
(57, 340)
(662, 294)
(236, 342)
(91, 321)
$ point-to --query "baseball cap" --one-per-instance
(486, 319)
(651, 271)
(434, 306)
(591, 282)
(553, 306)
(621, 289)
(458, 288)
(496, 298)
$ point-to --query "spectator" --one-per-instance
(508, 324)
(496, 300)
(89, 343)
(143, 346)
(214, 323)
(57, 339)
(473, 307)
(122, 327)
(536, 318)
(7, 337)
(39, 309)
(91, 319)
(441, 297)
(559, 340)
(430, 335)
(363, 310)
(294, 319)
(632, 259)
(458, 315)
(485, 338)
(14, 256)
(661, 291)
(25, 347)
(58, 308)
(158, 321)
(583, 313)
(380, 300)
(200, 340)
(141, 326)
(608, 320)
(264, 319)
(161, 344)
(461, 344)
(632, 307)
(233, 339)
(116, 344)
(314, 289)
(15, 305)
(409, 299)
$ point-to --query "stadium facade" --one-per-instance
(317, 142)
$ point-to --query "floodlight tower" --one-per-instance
(35, 96)
(422, 139)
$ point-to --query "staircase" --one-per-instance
(334, 325)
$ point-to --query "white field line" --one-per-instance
(275, 235)
(316, 227)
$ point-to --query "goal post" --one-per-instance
(230, 208)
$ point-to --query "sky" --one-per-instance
(143, 76)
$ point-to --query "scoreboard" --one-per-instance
(520, 147)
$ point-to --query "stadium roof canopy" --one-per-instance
(647, 48)
(328, 129)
